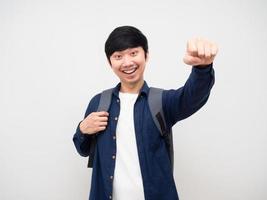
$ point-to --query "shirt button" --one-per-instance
(118, 101)
(111, 177)
(114, 137)
(116, 118)
(110, 197)
(113, 157)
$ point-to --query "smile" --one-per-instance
(130, 71)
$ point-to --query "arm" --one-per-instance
(183, 102)
(92, 123)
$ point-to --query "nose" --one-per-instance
(127, 61)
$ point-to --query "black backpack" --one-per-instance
(155, 106)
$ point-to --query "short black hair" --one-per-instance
(124, 37)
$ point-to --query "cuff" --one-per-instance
(80, 135)
(202, 68)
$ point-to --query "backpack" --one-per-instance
(155, 107)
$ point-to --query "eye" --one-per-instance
(134, 53)
(117, 57)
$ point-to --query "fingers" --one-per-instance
(94, 122)
(200, 52)
(98, 123)
(191, 47)
(202, 48)
(100, 118)
(100, 114)
(207, 50)
(214, 49)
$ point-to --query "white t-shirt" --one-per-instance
(127, 183)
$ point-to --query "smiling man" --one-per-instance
(131, 160)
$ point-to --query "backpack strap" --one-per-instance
(155, 106)
(156, 110)
(105, 100)
(104, 104)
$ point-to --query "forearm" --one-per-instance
(82, 142)
(198, 86)
(183, 102)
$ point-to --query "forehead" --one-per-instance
(129, 50)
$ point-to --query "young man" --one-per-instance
(131, 159)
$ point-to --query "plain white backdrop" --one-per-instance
(52, 62)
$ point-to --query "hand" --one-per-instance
(200, 52)
(94, 122)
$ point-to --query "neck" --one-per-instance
(131, 88)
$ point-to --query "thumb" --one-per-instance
(192, 60)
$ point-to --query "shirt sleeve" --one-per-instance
(181, 103)
(82, 141)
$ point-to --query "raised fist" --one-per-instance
(200, 52)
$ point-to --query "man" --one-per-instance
(131, 160)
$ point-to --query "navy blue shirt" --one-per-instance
(153, 156)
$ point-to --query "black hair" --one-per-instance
(125, 37)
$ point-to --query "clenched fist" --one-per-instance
(94, 122)
(200, 52)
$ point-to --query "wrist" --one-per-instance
(81, 128)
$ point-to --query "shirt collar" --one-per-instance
(143, 91)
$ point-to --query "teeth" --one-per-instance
(129, 71)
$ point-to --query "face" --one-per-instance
(129, 65)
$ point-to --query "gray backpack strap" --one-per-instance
(169, 145)
(156, 110)
(155, 106)
(104, 104)
(105, 100)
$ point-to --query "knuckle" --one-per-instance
(201, 53)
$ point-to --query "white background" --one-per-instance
(52, 62)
